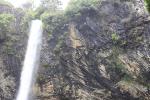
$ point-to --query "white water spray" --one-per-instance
(31, 61)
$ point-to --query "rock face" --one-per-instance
(11, 53)
(101, 53)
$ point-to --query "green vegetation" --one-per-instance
(49, 13)
(127, 78)
(60, 43)
(76, 5)
(5, 29)
(52, 21)
(5, 20)
(8, 49)
(147, 5)
(46, 65)
(40, 78)
(117, 64)
(48, 6)
(29, 15)
(4, 2)
(115, 37)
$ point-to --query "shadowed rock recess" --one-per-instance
(99, 53)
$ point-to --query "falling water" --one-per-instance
(31, 61)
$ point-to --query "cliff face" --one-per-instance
(100, 53)
(12, 45)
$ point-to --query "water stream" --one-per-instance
(31, 61)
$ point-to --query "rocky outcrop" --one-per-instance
(100, 54)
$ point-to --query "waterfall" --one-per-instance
(31, 61)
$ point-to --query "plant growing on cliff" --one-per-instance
(5, 20)
(115, 37)
(147, 5)
(76, 5)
